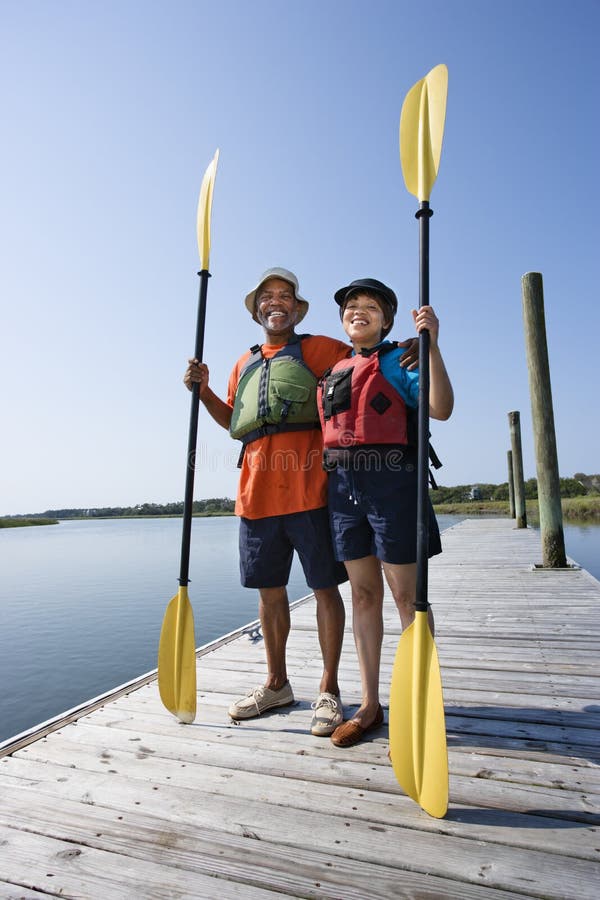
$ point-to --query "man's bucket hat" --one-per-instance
(369, 284)
(286, 275)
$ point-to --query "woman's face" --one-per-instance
(363, 320)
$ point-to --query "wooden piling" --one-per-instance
(511, 484)
(514, 421)
(544, 435)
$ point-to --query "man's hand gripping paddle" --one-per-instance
(177, 647)
(417, 725)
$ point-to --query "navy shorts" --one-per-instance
(267, 548)
(374, 513)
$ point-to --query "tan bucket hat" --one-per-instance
(286, 275)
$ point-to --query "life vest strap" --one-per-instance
(434, 458)
(368, 457)
(374, 457)
(264, 430)
(272, 429)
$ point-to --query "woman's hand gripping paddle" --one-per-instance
(177, 647)
(417, 725)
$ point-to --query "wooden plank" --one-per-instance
(84, 872)
(18, 892)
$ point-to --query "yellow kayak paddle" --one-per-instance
(177, 646)
(416, 720)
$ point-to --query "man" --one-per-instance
(282, 493)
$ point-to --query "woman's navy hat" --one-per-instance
(368, 284)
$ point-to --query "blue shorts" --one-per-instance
(374, 513)
(267, 548)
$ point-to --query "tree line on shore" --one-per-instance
(578, 486)
(216, 506)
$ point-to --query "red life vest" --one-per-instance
(358, 405)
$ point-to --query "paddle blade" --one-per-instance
(177, 658)
(422, 131)
(417, 725)
(204, 211)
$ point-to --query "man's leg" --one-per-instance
(274, 612)
(331, 617)
(310, 535)
(265, 554)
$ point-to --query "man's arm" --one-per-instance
(410, 358)
(197, 373)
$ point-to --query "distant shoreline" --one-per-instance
(9, 522)
(23, 522)
(575, 509)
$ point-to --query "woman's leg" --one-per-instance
(366, 582)
(403, 585)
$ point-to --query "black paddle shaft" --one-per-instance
(423, 215)
(192, 437)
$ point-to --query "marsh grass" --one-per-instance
(21, 523)
(575, 509)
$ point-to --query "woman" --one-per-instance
(368, 416)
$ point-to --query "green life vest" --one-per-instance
(277, 394)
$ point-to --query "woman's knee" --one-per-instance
(367, 596)
(404, 590)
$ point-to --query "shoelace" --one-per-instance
(324, 701)
(256, 694)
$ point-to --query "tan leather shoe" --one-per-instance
(351, 732)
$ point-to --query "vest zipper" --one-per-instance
(263, 389)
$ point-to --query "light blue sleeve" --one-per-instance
(406, 383)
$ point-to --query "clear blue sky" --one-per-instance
(111, 112)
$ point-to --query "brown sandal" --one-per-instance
(349, 733)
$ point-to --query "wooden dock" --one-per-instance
(121, 801)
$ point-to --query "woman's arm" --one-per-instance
(441, 395)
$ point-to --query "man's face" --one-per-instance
(276, 306)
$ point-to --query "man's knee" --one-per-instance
(272, 598)
(328, 596)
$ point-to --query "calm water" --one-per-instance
(81, 603)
